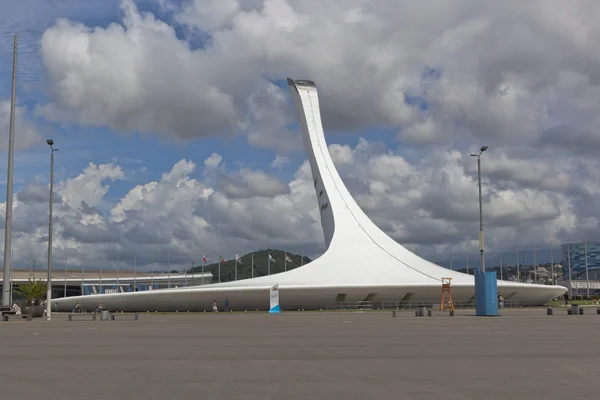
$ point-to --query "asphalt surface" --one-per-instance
(523, 354)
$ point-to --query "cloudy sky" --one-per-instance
(177, 137)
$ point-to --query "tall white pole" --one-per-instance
(501, 267)
(66, 261)
(82, 270)
(236, 267)
(49, 294)
(7, 278)
(570, 277)
(252, 267)
(285, 262)
(481, 243)
(118, 283)
(518, 271)
(134, 271)
(268, 263)
(203, 264)
(152, 273)
(451, 266)
(467, 254)
(301, 260)
(551, 263)
(219, 269)
(587, 276)
(169, 273)
(101, 282)
(534, 265)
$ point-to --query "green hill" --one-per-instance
(260, 265)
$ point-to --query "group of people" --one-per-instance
(216, 309)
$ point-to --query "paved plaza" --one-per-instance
(523, 354)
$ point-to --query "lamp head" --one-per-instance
(50, 142)
(484, 148)
(474, 155)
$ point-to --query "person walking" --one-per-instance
(501, 301)
(566, 296)
(215, 309)
(226, 305)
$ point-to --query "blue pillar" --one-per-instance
(486, 293)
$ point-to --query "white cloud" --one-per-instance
(429, 200)
(280, 161)
(490, 72)
(213, 161)
(26, 132)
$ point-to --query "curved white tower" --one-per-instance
(361, 262)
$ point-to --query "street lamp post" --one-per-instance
(49, 293)
(481, 242)
(7, 277)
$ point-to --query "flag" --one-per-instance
(238, 258)
(204, 259)
(287, 258)
(271, 258)
(221, 259)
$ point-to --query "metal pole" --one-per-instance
(252, 264)
(451, 266)
(534, 265)
(236, 267)
(467, 254)
(82, 270)
(219, 269)
(552, 264)
(66, 261)
(152, 273)
(134, 271)
(9, 185)
(49, 294)
(101, 282)
(587, 276)
(118, 283)
(518, 273)
(169, 273)
(481, 245)
(268, 263)
(501, 277)
(570, 277)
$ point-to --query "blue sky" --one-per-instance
(78, 145)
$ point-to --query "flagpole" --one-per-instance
(169, 273)
(152, 273)
(236, 267)
(118, 270)
(302, 260)
(534, 266)
(252, 268)
(501, 267)
(451, 267)
(219, 268)
(134, 271)
(101, 276)
(268, 263)
(551, 263)
(66, 261)
(203, 264)
(285, 262)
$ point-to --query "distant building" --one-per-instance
(577, 253)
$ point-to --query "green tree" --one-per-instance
(33, 291)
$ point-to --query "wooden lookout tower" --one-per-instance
(447, 303)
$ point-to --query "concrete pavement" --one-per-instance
(345, 355)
